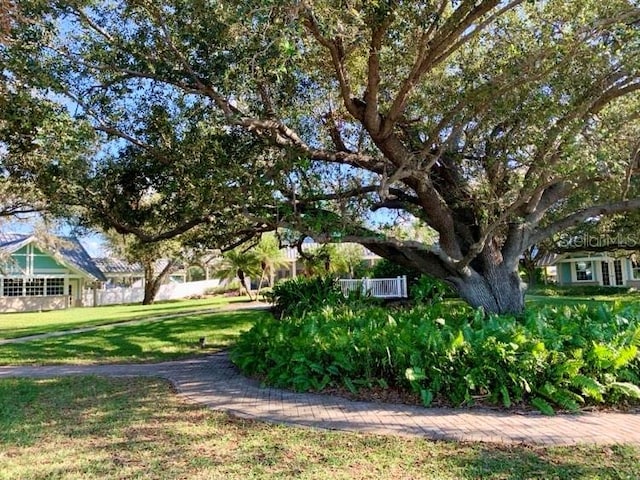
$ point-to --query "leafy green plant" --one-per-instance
(551, 358)
(387, 269)
(298, 295)
(428, 290)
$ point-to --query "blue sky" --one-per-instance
(93, 243)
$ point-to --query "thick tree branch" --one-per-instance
(336, 50)
(367, 162)
(146, 237)
(633, 85)
(119, 133)
(341, 195)
(470, 33)
(578, 217)
(245, 236)
(599, 96)
(334, 132)
(410, 254)
(371, 116)
(433, 52)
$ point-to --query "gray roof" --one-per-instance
(110, 265)
(10, 242)
(69, 249)
(115, 265)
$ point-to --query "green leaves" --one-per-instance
(220, 116)
(542, 405)
(297, 296)
(500, 360)
(588, 386)
(625, 389)
(416, 374)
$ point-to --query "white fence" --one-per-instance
(376, 287)
(171, 291)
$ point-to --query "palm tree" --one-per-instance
(271, 258)
(346, 258)
(239, 264)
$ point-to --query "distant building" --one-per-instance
(295, 263)
(601, 268)
(37, 275)
(120, 273)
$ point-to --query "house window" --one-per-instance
(12, 287)
(635, 269)
(55, 286)
(34, 287)
(584, 271)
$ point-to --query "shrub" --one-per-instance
(428, 290)
(230, 287)
(295, 296)
(551, 358)
(388, 269)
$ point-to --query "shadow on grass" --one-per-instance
(180, 305)
(41, 322)
(162, 340)
(130, 428)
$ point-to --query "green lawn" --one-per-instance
(590, 301)
(98, 428)
(95, 428)
(14, 325)
(146, 342)
(535, 299)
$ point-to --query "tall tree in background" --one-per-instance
(497, 123)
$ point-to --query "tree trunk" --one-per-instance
(491, 281)
(532, 276)
(500, 291)
(243, 282)
(151, 289)
(529, 264)
(152, 283)
(262, 277)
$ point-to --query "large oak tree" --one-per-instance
(497, 123)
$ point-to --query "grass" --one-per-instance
(92, 427)
(580, 300)
(14, 325)
(98, 428)
(588, 295)
(147, 342)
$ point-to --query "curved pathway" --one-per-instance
(214, 381)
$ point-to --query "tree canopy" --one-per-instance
(497, 123)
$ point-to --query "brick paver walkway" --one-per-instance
(214, 381)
